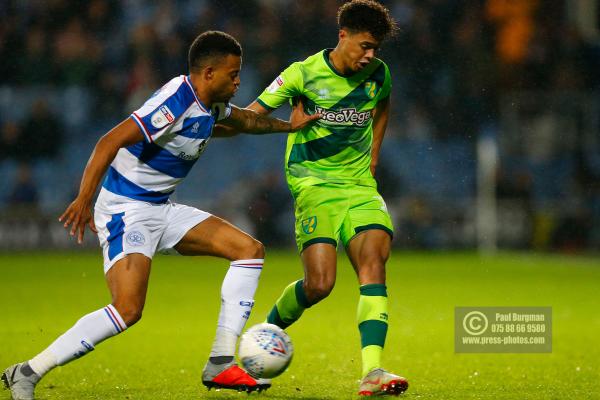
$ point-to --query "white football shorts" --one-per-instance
(127, 226)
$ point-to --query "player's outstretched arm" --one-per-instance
(79, 213)
(250, 121)
(259, 108)
(380, 120)
(222, 131)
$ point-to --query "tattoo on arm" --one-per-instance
(252, 122)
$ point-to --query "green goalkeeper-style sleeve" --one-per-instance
(287, 85)
(387, 85)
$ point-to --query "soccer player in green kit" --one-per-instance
(329, 168)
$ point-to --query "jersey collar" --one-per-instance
(200, 104)
(330, 65)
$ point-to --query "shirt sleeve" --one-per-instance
(287, 85)
(158, 114)
(387, 85)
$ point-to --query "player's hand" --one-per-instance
(78, 215)
(298, 118)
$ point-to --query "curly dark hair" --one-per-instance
(211, 44)
(367, 16)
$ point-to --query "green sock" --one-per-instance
(372, 318)
(290, 306)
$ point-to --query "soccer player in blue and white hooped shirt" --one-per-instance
(144, 158)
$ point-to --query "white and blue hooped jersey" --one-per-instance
(176, 128)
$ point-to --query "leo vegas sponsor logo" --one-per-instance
(344, 116)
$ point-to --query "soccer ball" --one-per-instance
(265, 351)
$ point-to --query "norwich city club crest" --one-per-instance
(309, 225)
(371, 89)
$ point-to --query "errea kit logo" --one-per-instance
(344, 116)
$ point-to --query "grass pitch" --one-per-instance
(162, 357)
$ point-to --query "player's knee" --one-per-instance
(251, 249)
(372, 270)
(318, 289)
(258, 249)
(129, 312)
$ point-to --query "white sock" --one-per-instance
(80, 339)
(237, 300)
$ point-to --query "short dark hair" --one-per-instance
(367, 16)
(211, 44)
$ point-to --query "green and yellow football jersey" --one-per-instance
(337, 148)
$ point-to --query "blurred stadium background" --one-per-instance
(494, 139)
(493, 143)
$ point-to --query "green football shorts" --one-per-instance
(327, 213)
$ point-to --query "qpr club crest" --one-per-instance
(135, 238)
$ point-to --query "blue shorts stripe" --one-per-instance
(112, 320)
(115, 227)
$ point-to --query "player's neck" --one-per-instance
(202, 94)
(336, 60)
